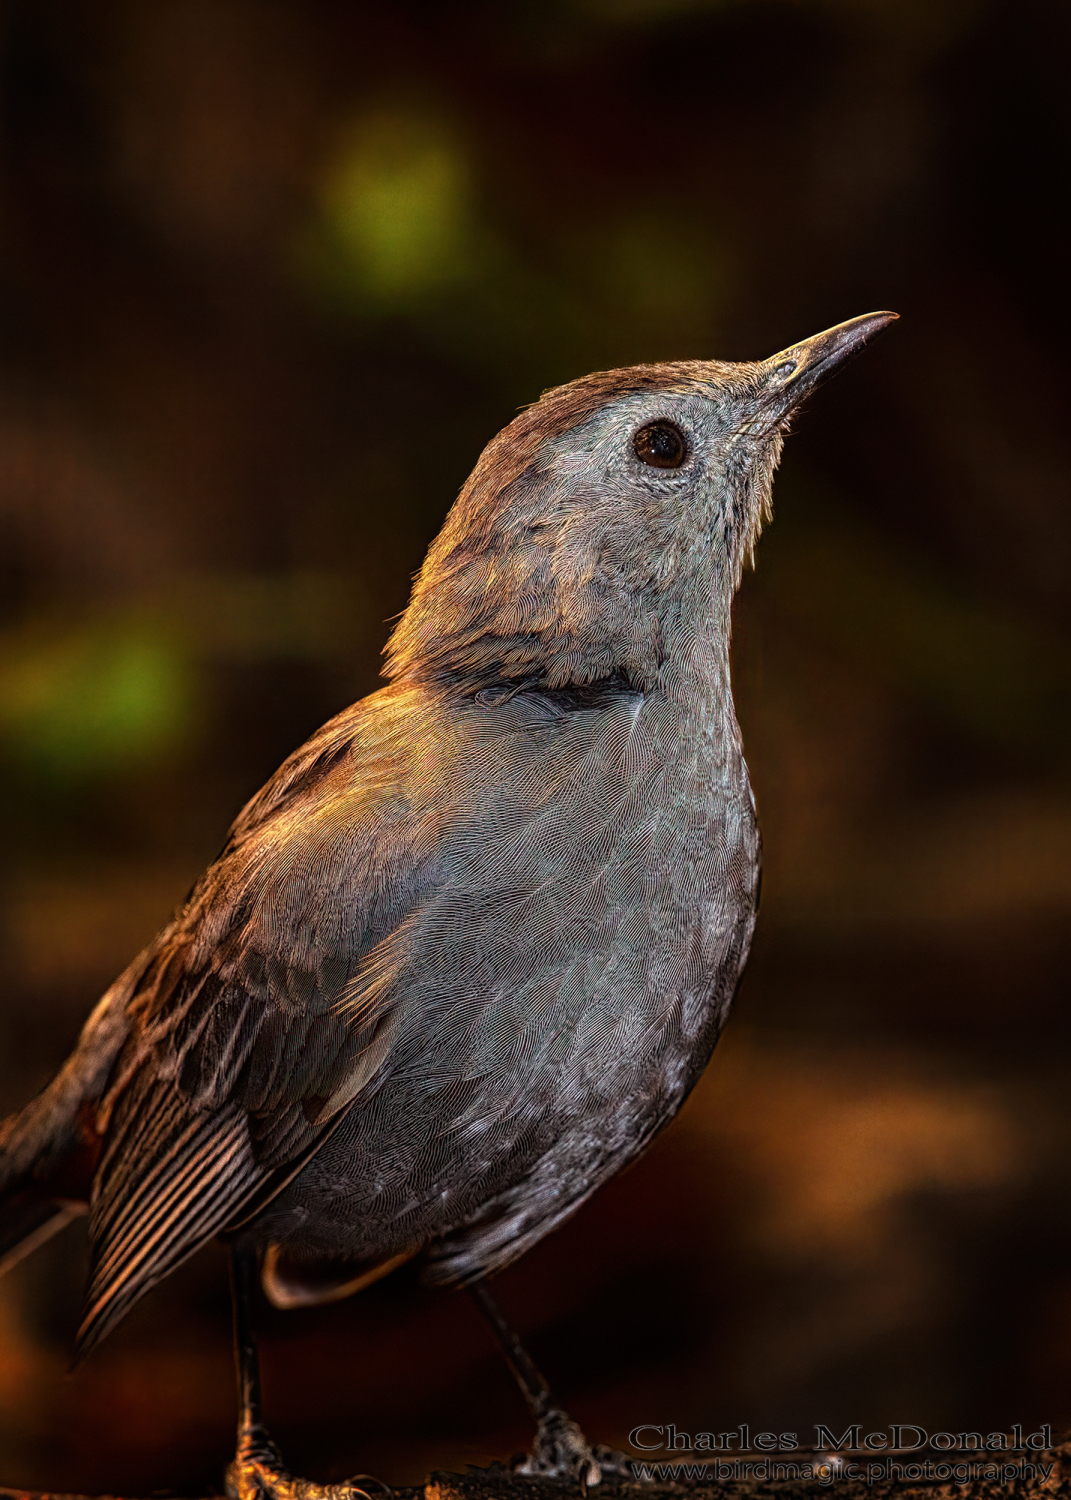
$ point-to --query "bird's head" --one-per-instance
(607, 526)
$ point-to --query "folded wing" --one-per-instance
(238, 1062)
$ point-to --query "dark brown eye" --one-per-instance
(661, 445)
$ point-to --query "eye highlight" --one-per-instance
(661, 445)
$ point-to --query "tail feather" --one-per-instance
(48, 1150)
(26, 1225)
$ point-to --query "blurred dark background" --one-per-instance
(271, 274)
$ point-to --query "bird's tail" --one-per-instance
(48, 1150)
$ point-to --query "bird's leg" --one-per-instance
(256, 1457)
(257, 1471)
(560, 1450)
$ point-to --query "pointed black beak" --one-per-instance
(795, 372)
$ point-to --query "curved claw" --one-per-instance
(257, 1473)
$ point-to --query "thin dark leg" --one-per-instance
(560, 1450)
(533, 1385)
(251, 1430)
(258, 1472)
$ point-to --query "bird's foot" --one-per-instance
(257, 1472)
(561, 1451)
(615, 1466)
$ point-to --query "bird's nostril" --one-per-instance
(783, 371)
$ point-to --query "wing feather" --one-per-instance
(238, 1064)
(175, 1181)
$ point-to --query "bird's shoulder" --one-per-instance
(402, 793)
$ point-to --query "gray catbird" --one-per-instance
(469, 949)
